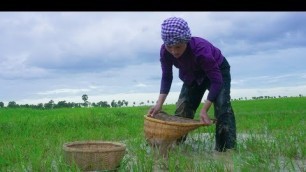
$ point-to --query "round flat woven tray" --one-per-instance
(167, 128)
(94, 155)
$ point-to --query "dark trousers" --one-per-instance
(190, 99)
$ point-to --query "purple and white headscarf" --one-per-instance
(175, 30)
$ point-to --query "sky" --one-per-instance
(61, 56)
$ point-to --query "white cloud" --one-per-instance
(59, 91)
(141, 85)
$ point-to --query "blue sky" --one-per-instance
(115, 55)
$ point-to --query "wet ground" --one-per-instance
(204, 143)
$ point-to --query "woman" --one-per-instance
(201, 67)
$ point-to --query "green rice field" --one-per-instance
(270, 137)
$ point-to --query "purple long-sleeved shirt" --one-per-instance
(199, 61)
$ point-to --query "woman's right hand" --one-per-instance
(159, 103)
(154, 110)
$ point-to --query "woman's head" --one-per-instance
(175, 30)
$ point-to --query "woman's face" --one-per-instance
(176, 50)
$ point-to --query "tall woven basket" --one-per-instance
(94, 155)
(165, 128)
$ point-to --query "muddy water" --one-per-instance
(201, 148)
(196, 147)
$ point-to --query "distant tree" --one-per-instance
(62, 104)
(119, 103)
(51, 102)
(113, 103)
(73, 105)
(1, 104)
(25, 106)
(77, 105)
(40, 106)
(49, 105)
(85, 98)
(103, 104)
(126, 103)
(12, 104)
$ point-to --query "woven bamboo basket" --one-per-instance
(94, 155)
(164, 128)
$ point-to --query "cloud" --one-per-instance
(58, 55)
(15, 67)
(60, 91)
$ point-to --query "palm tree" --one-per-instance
(85, 98)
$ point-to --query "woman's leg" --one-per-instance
(226, 124)
(188, 102)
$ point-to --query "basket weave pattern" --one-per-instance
(167, 128)
(94, 155)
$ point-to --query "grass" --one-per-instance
(271, 137)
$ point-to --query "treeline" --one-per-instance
(263, 97)
(120, 103)
(63, 104)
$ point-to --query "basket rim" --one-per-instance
(149, 118)
(67, 148)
